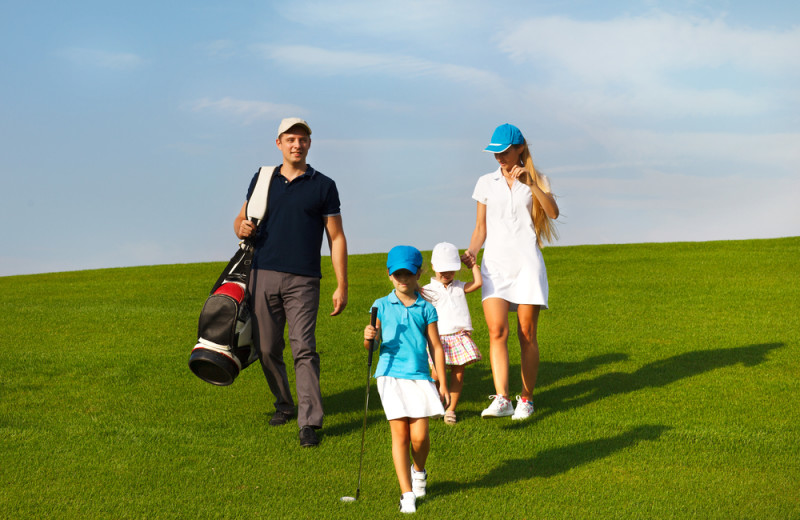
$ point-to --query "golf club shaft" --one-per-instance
(372, 321)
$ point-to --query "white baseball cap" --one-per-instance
(445, 258)
(289, 122)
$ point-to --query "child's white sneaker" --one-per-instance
(524, 409)
(408, 503)
(419, 481)
(500, 407)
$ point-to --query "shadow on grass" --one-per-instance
(349, 401)
(652, 375)
(549, 402)
(479, 385)
(477, 376)
(553, 371)
(555, 461)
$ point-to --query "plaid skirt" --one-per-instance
(459, 349)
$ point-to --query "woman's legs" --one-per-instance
(528, 318)
(495, 310)
(408, 433)
(455, 386)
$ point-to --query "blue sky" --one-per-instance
(130, 130)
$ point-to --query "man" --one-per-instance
(285, 280)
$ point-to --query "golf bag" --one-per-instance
(224, 331)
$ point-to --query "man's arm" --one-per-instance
(338, 246)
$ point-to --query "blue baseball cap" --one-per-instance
(404, 257)
(503, 137)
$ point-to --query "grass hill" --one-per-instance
(668, 388)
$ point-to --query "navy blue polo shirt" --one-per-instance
(290, 236)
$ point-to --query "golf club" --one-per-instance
(372, 321)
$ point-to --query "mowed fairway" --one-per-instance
(668, 388)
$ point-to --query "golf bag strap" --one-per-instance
(257, 205)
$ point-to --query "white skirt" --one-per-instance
(523, 284)
(413, 398)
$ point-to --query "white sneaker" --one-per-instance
(419, 481)
(500, 407)
(523, 411)
(408, 503)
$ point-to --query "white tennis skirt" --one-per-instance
(412, 398)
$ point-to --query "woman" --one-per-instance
(515, 213)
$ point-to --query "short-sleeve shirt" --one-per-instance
(451, 305)
(512, 267)
(289, 238)
(404, 344)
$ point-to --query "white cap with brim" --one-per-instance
(289, 122)
(444, 258)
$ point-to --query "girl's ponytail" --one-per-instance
(544, 226)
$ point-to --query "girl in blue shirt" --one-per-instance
(406, 325)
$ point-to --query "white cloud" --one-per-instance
(408, 20)
(248, 110)
(662, 67)
(666, 206)
(327, 62)
(657, 102)
(380, 105)
(779, 154)
(634, 50)
(102, 59)
(220, 48)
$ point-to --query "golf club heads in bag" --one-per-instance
(224, 331)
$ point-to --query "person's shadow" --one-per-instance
(551, 372)
(349, 401)
(554, 461)
(656, 374)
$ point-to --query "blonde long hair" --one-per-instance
(544, 225)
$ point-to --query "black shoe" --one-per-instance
(308, 437)
(279, 418)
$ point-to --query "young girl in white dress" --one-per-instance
(406, 324)
(448, 295)
(514, 215)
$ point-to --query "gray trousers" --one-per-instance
(278, 299)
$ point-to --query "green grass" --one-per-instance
(668, 388)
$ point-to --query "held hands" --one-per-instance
(468, 258)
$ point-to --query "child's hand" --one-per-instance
(370, 333)
(444, 395)
(468, 259)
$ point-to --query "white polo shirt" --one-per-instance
(512, 266)
(451, 305)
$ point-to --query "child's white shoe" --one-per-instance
(419, 481)
(524, 409)
(408, 503)
(500, 407)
